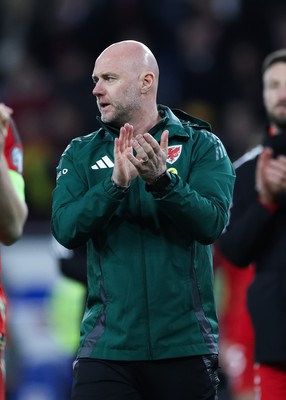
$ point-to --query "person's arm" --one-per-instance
(198, 208)
(243, 237)
(252, 216)
(13, 208)
(79, 212)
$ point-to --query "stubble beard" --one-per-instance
(122, 114)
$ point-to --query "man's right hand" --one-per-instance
(270, 176)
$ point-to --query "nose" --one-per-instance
(95, 90)
(98, 89)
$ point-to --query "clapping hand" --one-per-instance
(150, 160)
(270, 176)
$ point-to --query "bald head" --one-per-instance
(135, 56)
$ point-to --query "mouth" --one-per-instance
(103, 106)
(281, 105)
(281, 110)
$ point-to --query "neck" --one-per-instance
(145, 122)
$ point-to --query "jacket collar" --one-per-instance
(174, 120)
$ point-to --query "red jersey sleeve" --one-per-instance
(13, 149)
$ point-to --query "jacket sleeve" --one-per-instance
(78, 212)
(249, 223)
(199, 207)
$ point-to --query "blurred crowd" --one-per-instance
(209, 51)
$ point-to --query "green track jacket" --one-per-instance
(150, 273)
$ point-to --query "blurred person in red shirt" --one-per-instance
(237, 336)
(256, 234)
(13, 208)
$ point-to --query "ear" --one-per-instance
(147, 80)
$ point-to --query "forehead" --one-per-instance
(106, 66)
(113, 61)
(276, 72)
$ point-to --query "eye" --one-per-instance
(273, 85)
(109, 78)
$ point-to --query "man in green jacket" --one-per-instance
(149, 192)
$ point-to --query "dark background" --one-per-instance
(209, 52)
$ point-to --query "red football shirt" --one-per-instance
(13, 152)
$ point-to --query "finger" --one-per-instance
(275, 174)
(281, 162)
(141, 149)
(5, 110)
(116, 147)
(129, 134)
(281, 158)
(277, 167)
(152, 143)
(263, 159)
(120, 140)
(137, 162)
(266, 154)
(125, 136)
(164, 141)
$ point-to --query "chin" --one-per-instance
(106, 119)
(278, 119)
(281, 121)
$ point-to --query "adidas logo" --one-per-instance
(104, 162)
